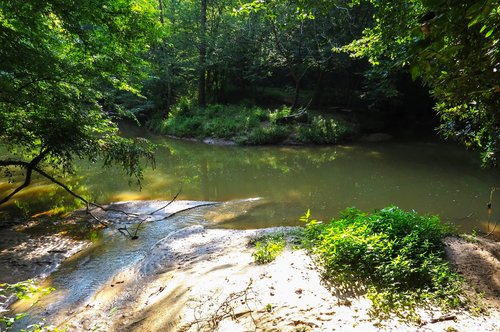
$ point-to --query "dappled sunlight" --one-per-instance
(130, 196)
(24, 305)
(477, 261)
(31, 256)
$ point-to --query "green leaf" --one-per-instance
(415, 72)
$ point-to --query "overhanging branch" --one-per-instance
(27, 181)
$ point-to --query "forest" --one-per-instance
(260, 110)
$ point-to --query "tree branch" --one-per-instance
(60, 184)
(165, 206)
(29, 171)
(33, 166)
(27, 181)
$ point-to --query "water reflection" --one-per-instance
(429, 177)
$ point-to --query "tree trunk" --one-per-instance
(160, 8)
(202, 79)
(297, 81)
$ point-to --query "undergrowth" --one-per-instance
(23, 290)
(397, 256)
(248, 125)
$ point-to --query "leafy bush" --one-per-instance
(278, 114)
(323, 131)
(268, 247)
(397, 255)
(23, 290)
(246, 125)
(267, 135)
(220, 121)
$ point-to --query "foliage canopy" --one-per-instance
(60, 63)
(453, 47)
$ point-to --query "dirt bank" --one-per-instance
(201, 279)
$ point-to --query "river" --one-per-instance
(428, 176)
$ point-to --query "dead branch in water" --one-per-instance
(32, 166)
(171, 201)
(134, 236)
(125, 232)
(489, 206)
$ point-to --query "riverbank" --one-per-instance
(202, 279)
(205, 279)
(243, 125)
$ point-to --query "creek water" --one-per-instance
(428, 176)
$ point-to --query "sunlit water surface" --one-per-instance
(430, 177)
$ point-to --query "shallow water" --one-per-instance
(90, 271)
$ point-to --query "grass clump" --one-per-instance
(268, 247)
(272, 134)
(217, 121)
(398, 256)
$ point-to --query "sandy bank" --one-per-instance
(201, 279)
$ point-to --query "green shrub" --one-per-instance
(278, 114)
(397, 255)
(268, 247)
(323, 131)
(183, 126)
(260, 114)
(246, 125)
(219, 121)
(268, 135)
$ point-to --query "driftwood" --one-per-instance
(134, 236)
(300, 117)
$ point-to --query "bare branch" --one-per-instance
(60, 184)
(27, 181)
(171, 201)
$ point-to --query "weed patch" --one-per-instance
(268, 247)
(247, 125)
(323, 131)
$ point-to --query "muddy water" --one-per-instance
(428, 176)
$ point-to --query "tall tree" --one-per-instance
(202, 76)
(59, 62)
